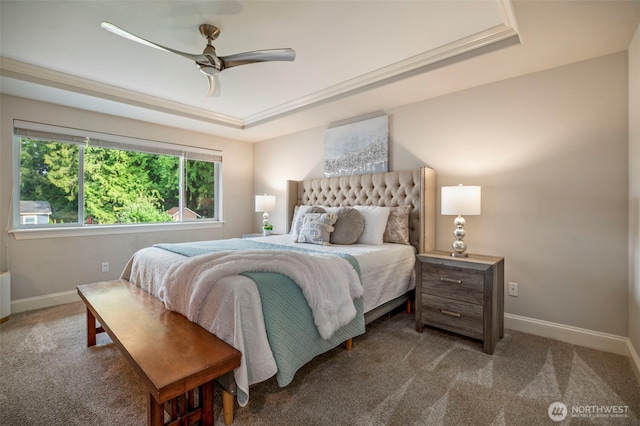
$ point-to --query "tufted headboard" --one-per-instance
(416, 187)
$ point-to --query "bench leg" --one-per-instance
(206, 403)
(91, 329)
(155, 412)
(227, 407)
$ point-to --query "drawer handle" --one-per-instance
(450, 280)
(453, 314)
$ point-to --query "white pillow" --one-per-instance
(298, 212)
(316, 228)
(375, 222)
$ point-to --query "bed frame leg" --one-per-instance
(227, 407)
(409, 306)
(349, 344)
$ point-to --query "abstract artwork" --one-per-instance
(357, 148)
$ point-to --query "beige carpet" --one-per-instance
(393, 376)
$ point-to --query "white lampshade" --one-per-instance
(460, 200)
(265, 203)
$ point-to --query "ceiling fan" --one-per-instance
(208, 62)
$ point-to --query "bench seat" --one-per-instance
(174, 357)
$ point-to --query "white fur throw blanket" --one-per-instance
(328, 282)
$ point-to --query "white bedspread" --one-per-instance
(386, 270)
(329, 283)
(233, 313)
(232, 310)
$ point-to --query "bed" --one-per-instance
(277, 323)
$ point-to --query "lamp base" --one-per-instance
(454, 254)
(459, 247)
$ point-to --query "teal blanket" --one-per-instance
(291, 331)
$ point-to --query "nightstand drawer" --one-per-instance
(453, 315)
(455, 283)
(467, 276)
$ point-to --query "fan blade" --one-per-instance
(258, 56)
(123, 33)
(214, 85)
(212, 75)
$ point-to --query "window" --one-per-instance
(29, 220)
(73, 177)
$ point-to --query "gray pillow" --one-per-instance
(349, 227)
(316, 209)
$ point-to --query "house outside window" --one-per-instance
(73, 177)
(187, 214)
(34, 212)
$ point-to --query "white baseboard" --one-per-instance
(46, 301)
(566, 333)
(635, 361)
(578, 336)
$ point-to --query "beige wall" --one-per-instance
(53, 265)
(550, 152)
(634, 191)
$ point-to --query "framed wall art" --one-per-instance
(357, 148)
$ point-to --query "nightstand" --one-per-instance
(257, 234)
(464, 295)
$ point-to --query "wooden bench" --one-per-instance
(173, 356)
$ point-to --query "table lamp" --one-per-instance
(265, 203)
(460, 200)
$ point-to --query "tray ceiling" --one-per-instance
(353, 57)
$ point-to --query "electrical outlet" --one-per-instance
(105, 266)
(513, 289)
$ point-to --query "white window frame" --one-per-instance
(47, 132)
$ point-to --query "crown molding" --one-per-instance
(482, 42)
(39, 75)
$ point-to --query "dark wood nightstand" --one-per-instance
(463, 295)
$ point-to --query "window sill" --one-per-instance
(93, 230)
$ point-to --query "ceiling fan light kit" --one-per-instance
(209, 63)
